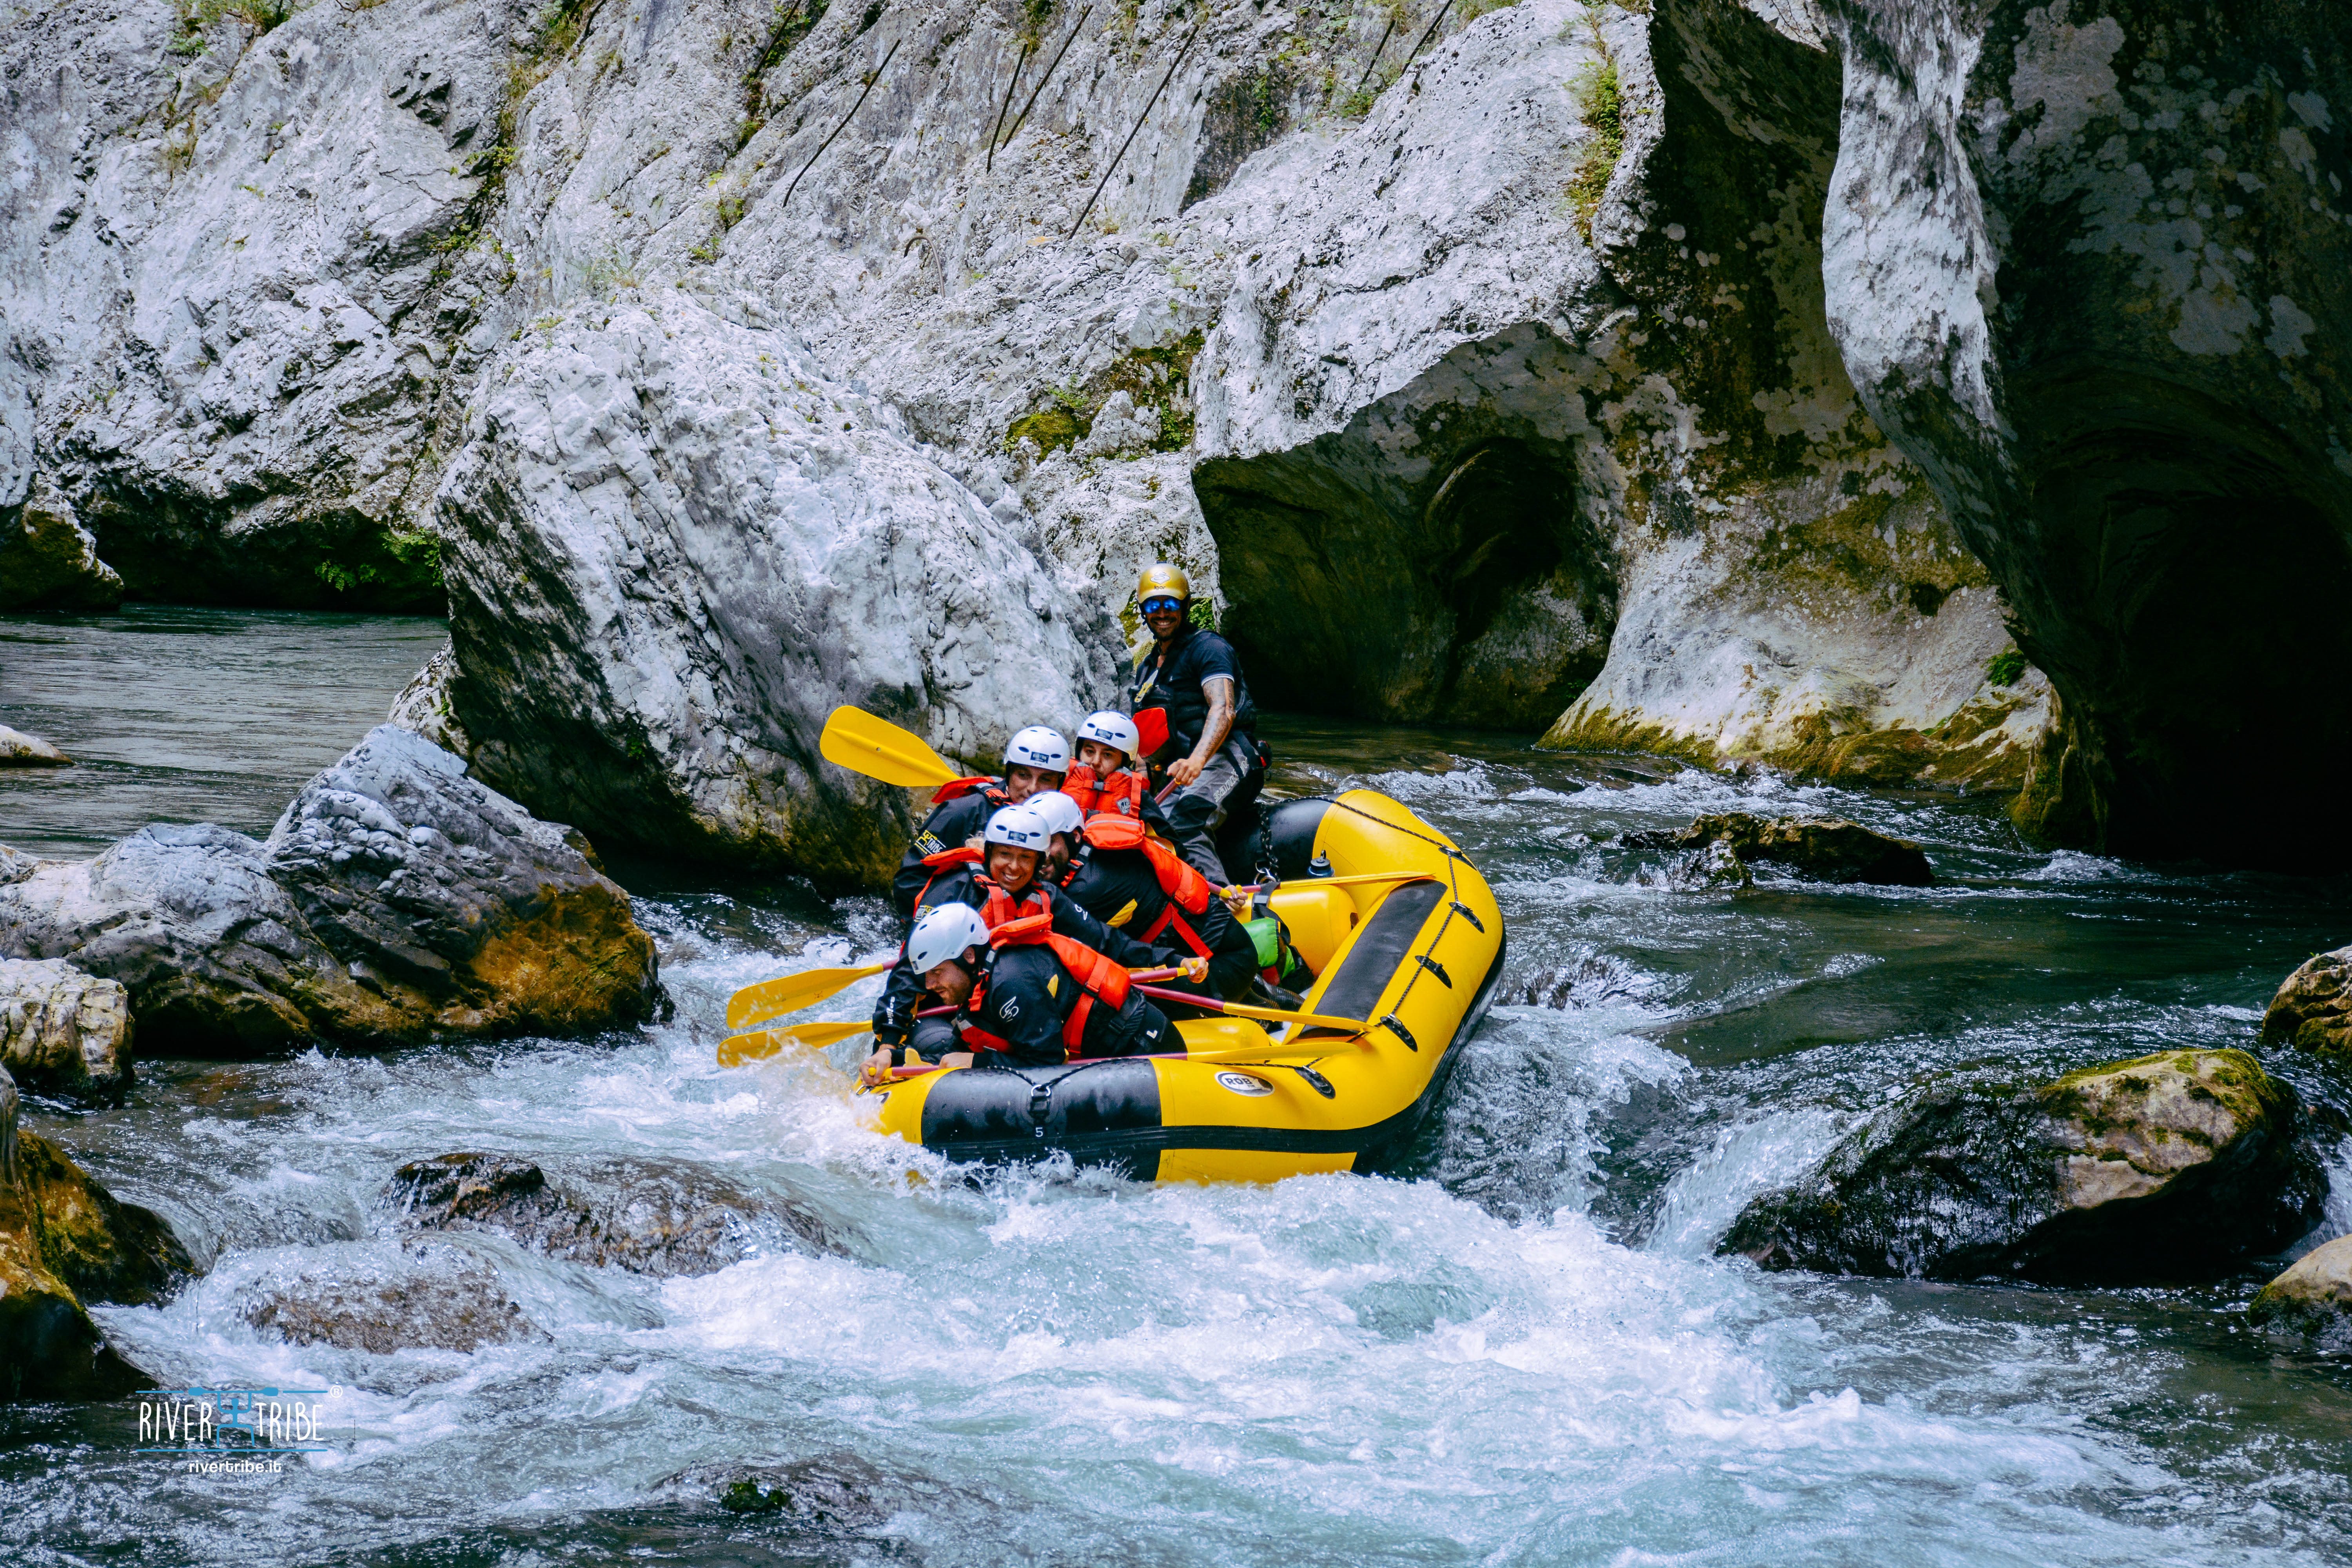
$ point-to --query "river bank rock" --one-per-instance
(2313, 1008)
(395, 899)
(2164, 1167)
(18, 750)
(48, 561)
(622, 1214)
(2314, 1295)
(62, 1031)
(1821, 849)
(453, 903)
(59, 1229)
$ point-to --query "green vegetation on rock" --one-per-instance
(2007, 668)
(1602, 107)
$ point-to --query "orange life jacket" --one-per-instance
(1122, 792)
(980, 782)
(1098, 979)
(1185, 890)
(1002, 907)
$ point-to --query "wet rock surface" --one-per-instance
(395, 899)
(456, 1306)
(2163, 1168)
(2313, 1008)
(18, 750)
(648, 1220)
(48, 561)
(827, 1493)
(2314, 1295)
(1821, 849)
(60, 1230)
(64, 1032)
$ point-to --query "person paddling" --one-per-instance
(1004, 889)
(1131, 881)
(1036, 759)
(1196, 676)
(1025, 995)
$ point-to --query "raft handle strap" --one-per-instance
(1464, 910)
(1041, 1106)
(1318, 1082)
(1403, 1034)
(1435, 968)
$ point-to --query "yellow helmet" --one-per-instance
(1160, 578)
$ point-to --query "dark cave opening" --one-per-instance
(1466, 594)
(2203, 637)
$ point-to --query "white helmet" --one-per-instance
(1038, 747)
(944, 933)
(1112, 727)
(1061, 813)
(1018, 826)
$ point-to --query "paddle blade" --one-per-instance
(856, 740)
(759, 1044)
(791, 993)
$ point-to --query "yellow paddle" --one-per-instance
(856, 740)
(756, 1044)
(791, 993)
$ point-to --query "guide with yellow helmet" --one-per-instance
(1210, 763)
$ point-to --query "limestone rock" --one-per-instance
(1819, 848)
(2314, 1294)
(425, 706)
(106, 1249)
(395, 899)
(18, 750)
(453, 904)
(2314, 1008)
(1715, 864)
(47, 560)
(2161, 1168)
(619, 1214)
(49, 1348)
(678, 533)
(2164, 356)
(62, 1031)
(438, 1305)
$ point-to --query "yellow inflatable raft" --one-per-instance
(1417, 958)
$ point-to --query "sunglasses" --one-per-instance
(1155, 606)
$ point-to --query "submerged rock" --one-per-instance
(1819, 848)
(2314, 1008)
(18, 750)
(62, 1031)
(462, 1308)
(395, 899)
(59, 1229)
(48, 561)
(1715, 865)
(647, 1220)
(2164, 1167)
(2314, 1295)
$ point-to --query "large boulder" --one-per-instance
(453, 904)
(2314, 1008)
(675, 544)
(2314, 1294)
(62, 1031)
(58, 1229)
(396, 899)
(2163, 1167)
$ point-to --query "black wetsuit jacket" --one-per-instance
(1170, 677)
(1024, 999)
(951, 824)
(1118, 888)
(903, 992)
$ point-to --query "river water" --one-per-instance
(1524, 1354)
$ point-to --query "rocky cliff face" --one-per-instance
(1696, 378)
